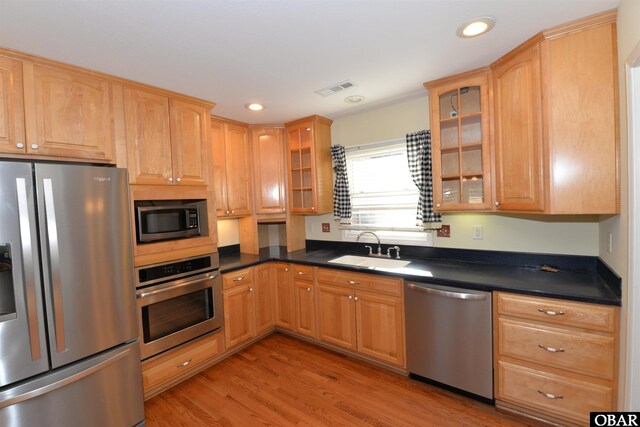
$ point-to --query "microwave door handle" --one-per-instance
(171, 287)
(54, 264)
(27, 267)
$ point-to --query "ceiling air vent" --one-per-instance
(335, 88)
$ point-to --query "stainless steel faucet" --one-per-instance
(396, 248)
(366, 246)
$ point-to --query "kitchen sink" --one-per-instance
(370, 262)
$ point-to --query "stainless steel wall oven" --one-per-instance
(178, 301)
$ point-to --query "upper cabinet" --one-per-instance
(50, 112)
(553, 122)
(518, 144)
(12, 136)
(461, 149)
(309, 165)
(269, 170)
(166, 139)
(231, 168)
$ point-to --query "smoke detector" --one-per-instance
(330, 90)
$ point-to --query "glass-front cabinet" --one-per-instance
(461, 153)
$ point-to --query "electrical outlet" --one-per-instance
(326, 227)
(445, 231)
(477, 232)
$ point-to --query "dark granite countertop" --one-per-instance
(571, 284)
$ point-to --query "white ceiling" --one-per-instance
(278, 52)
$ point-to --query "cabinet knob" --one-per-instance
(286, 269)
(250, 289)
(437, 205)
(34, 146)
(284, 209)
(233, 211)
(170, 179)
(355, 298)
(350, 297)
(227, 212)
(497, 203)
(177, 179)
(308, 289)
(19, 145)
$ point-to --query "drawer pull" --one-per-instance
(353, 282)
(301, 273)
(551, 313)
(238, 279)
(550, 396)
(551, 349)
(183, 364)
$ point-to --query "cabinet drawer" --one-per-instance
(302, 272)
(567, 313)
(358, 281)
(237, 278)
(580, 352)
(180, 362)
(536, 389)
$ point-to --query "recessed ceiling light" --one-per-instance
(476, 27)
(254, 107)
(354, 99)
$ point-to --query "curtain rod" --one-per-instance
(373, 144)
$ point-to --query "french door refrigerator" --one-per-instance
(69, 354)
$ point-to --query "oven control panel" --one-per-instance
(172, 270)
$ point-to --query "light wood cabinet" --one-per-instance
(239, 307)
(166, 140)
(232, 168)
(555, 358)
(285, 311)
(264, 295)
(304, 301)
(12, 132)
(176, 365)
(269, 170)
(309, 165)
(362, 312)
(460, 140)
(518, 143)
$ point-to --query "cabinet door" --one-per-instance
(12, 137)
(264, 298)
(285, 313)
(305, 308)
(380, 323)
(67, 114)
(337, 316)
(219, 168)
(238, 169)
(148, 137)
(301, 164)
(267, 146)
(239, 317)
(518, 133)
(189, 143)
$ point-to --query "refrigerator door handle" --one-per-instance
(27, 268)
(63, 382)
(54, 258)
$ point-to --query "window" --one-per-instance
(384, 197)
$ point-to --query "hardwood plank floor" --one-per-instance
(282, 381)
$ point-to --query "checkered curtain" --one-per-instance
(341, 197)
(419, 157)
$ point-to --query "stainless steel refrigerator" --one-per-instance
(69, 354)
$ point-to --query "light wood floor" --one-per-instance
(282, 381)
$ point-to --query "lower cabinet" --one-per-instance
(363, 313)
(304, 301)
(175, 365)
(248, 297)
(283, 282)
(555, 358)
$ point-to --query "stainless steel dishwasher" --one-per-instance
(449, 337)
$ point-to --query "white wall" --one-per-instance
(618, 226)
(228, 233)
(523, 233)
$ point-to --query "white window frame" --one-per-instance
(388, 235)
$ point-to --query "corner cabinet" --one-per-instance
(269, 170)
(167, 140)
(231, 162)
(309, 165)
(461, 149)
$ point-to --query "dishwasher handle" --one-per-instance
(447, 294)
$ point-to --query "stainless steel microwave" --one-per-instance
(170, 220)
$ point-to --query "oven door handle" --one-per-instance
(157, 290)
